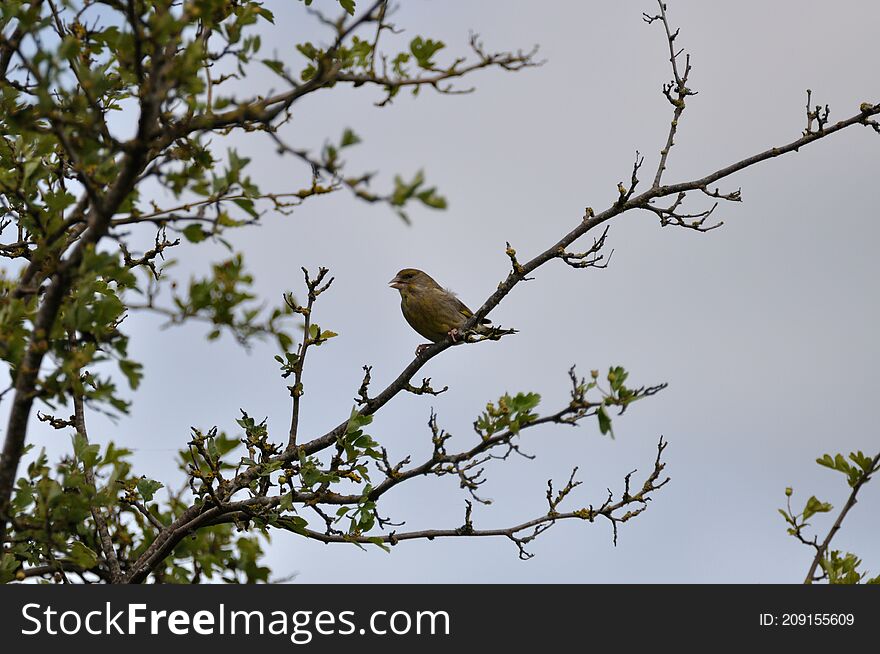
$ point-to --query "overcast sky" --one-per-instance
(764, 329)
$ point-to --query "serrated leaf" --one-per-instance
(148, 487)
(826, 460)
(864, 462)
(424, 49)
(814, 506)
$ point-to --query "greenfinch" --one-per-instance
(430, 309)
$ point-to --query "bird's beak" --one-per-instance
(396, 283)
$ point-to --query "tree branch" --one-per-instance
(822, 549)
(99, 219)
(315, 288)
(537, 525)
(97, 514)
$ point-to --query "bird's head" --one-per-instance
(410, 278)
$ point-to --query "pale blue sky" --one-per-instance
(764, 329)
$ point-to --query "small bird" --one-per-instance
(431, 310)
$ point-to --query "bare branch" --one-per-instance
(678, 85)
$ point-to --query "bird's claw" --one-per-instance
(454, 334)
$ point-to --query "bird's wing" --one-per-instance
(463, 310)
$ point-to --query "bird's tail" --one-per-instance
(488, 332)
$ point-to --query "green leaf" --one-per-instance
(132, 371)
(430, 198)
(194, 233)
(83, 556)
(8, 566)
(616, 377)
(148, 487)
(356, 421)
(377, 540)
(69, 47)
(268, 15)
(274, 65)
(604, 422)
(424, 49)
(855, 473)
(248, 205)
(842, 569)
(323, 336)
(84, 451)
(524, 402)
(785, 515)
(349, 138)
(864, 462)
(815, 506)
(295, 524)
(348, 5)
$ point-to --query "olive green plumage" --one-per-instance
(430, 309)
